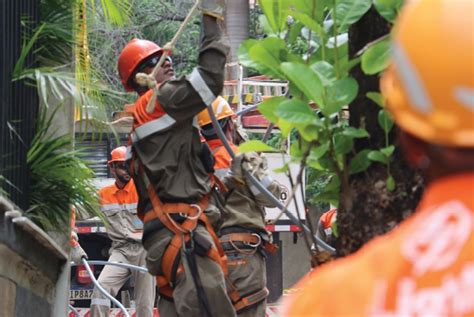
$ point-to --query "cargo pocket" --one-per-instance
(155, 246)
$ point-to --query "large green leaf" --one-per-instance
(311, 7)
(377, 156)
(255, 146)
(294, 32)
(343, 144)
(267, 53)
(376, 58)
(340, 94)
(304, 79)
(360, 162)
(269, 106)
(285, 127)
(295, 111)
(263, 22)
(243, 52)
(276, 13)
(325, 71)
(319, 151)
(388, 8)
(388, 151)
(309, 132)
(391, 183)
(385, 121)
(355, 132)
(350, 11)
(376, 97)
(307, 21)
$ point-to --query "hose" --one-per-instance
(102, 290)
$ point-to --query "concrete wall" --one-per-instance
(34, 271)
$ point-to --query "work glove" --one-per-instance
(77, 253)
(251, 162)
(214, 8)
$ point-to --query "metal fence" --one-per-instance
(18, 102)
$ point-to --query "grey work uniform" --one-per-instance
(245, 213)
(125, 230)
(169, 147)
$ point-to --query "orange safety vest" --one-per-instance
(425, 267)
(120, 208)
(221, 156)
(111, 196)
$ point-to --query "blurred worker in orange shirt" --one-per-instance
(119, 202)
(425, 267)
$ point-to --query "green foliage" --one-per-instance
(350, 11)
(156, 21)
(376, 57)
(255, 146)
(388, 8)
(59, 178)
(307, 45)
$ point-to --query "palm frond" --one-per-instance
(60, 179)
(115, 11)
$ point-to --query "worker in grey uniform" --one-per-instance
(171, 173)
(242, 233)
(118, 202)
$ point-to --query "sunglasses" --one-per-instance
(120, 165)
(152, 61)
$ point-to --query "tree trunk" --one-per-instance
(375, 210)
(237, 30)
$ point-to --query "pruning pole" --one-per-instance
(260, 186)
(149, 80)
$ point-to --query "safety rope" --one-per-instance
(149, 80)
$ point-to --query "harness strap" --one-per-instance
(247, 238)
(193, 213)
(240, 302)
(251, 299)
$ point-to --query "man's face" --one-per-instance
(166, 71)
(120, 172)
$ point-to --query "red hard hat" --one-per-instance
(118, 155)
(135, 52)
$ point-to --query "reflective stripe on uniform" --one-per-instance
(198, 83)
(129, 154)
(221, 172)
(162, 123)
(100, 302)
(266, 181)
(108, 207)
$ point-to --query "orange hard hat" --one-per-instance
(221, 109)
(133, 54)
(118, 155)
(429, 88)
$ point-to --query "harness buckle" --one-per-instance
(198, 208)
(256, 244)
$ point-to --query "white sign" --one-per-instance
(277, 160)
